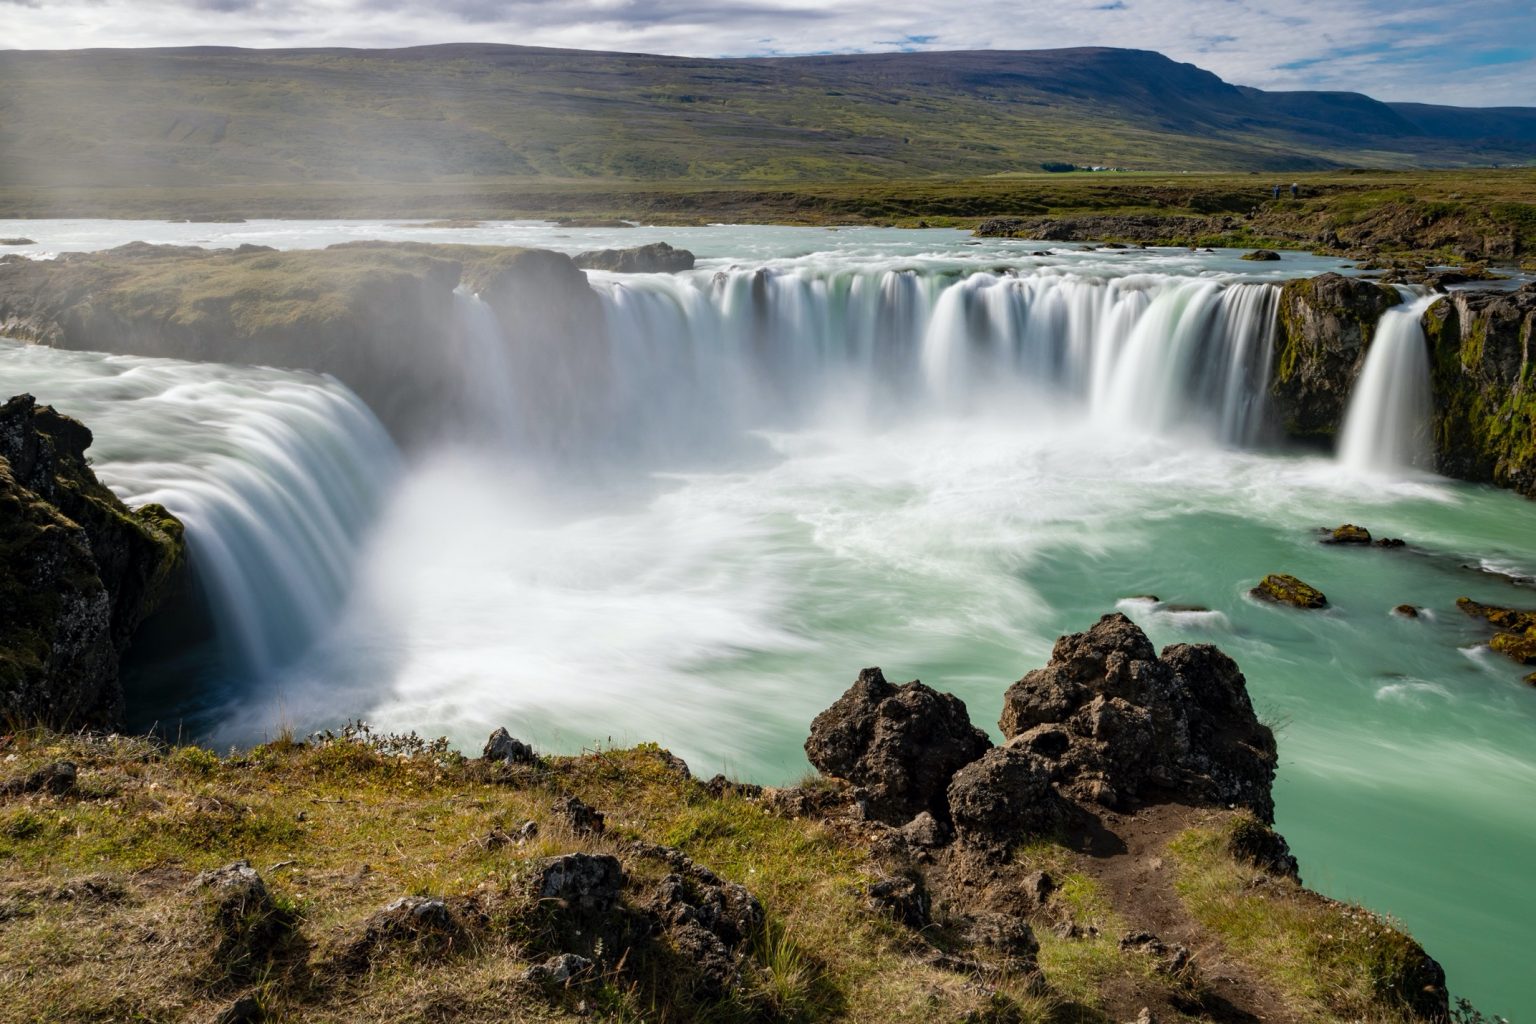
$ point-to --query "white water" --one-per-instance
(1387, 427)
(909, 452)
(276, 476)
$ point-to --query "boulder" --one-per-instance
(580, 883)
(56, 777)
(902, 744)
(251, 929)
(1004, 797)
(579, 817)
(1283, 588)
(1261, 256)
(424, 923)
(1109, 720)
(1349, 533)
(502, 747)
(656, 258)
(904, 900)
(560, 969)
(1253, 842)
(17, 240)
(1516, 638)
(1406, 611)
(79, 572)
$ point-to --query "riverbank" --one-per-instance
(389, 878)
(1454, 215)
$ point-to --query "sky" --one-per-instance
(1469, 52)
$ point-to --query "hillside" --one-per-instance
(214, 116)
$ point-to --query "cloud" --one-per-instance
(1472, 52)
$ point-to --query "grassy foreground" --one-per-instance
(101, 918)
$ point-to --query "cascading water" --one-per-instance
(1387, 427)
(276, 476)
(703, 354)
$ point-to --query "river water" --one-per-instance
(824, 450)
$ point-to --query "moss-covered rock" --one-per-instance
(1484, 377)
(1286, 589)
(78, 572)
(1326, 325)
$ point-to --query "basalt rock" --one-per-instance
(79, 572)
(1261, 256)
(1516, 638)
(1349, 533)
(425, 924)
(1254, 842)
(902, 744)
(504, 748)
(1483, 370)
(252, 930)
(1109, 720)
(1283, 588)
(1326, 325)
(656, 258)
(1003, 797)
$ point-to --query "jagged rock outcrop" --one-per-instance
(1111, 721)
(656, 258)
(1484, 378)
(1516, 636)
(1283, 588)
(1326, 324)
(900, 744)
(79, 571)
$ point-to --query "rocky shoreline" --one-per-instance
(1089, 868)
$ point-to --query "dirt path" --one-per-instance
(1126, 854)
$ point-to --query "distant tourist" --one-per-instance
(1295, 189)
(1277, 191)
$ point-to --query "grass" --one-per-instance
(1329, 959)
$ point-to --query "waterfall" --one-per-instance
(1387, 426)
(276, 475)
(704, 354)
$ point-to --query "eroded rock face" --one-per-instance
(1484, 346)
(79, 572)
(1004, 796)
(902, 744)
(1108, 720)
(1326, 324)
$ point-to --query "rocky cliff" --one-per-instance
(1484, 371)
(378, 316)
(1483, 366)
(78, 572)
(1326, 324)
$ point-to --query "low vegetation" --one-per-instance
(106, 913)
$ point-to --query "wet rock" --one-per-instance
(1326, 324)
(900, 744)
(582, 883)
(1482, 364)
(903, 899)
(1261, 256)
(581, 818)
(57, 777)
(503, 748)
(1108, 719)
(658, 257)
(1516, 638)
(559, 970)
(1391, 542)
(1253, 842)
(1283, 588)
(1406, 611)
(1002, 797)
(1349, 533)
(79, 572)
(1530, 680)
(18, 240)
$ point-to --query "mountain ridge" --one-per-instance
(228, 115)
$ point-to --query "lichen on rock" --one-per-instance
(79, 571)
